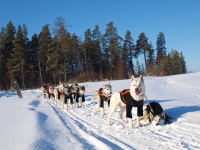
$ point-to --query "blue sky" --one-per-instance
(179, 20)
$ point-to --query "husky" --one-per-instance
(157, 115)
(80, 92)
(50, 93)
(67, 95)
(127, 99)
(58, 92)
(103, 96)
(45, 89)
(74, 88)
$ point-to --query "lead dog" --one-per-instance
(157, 115)
(127, 99)
(103, 96)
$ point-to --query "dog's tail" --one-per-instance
(94, 97)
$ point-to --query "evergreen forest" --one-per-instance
(56, 55)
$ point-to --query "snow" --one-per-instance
(34, 123)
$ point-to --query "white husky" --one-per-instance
(103, 96)
(127, 99)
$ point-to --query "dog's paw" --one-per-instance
(123, 121)
(138, 125)
(132, 127)
(108, 124)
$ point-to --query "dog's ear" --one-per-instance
(141, 78)
(163, 114)
(103, 85)
(132, 78)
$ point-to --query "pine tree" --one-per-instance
(89, 50)
(112, 45)
(19, 56)
(2, 57)
(166, 65)
(138, 68)
(63, 38)
(150, 59)
(161, 50)
(182, 63)
(142, 47)
(33, 59)
(128, 51)
(44, 43)
(96, 35)
(76, 58)
(10, 36)
(175, 60)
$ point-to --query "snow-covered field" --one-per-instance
(32, 123)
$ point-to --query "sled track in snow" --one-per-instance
(167, 137)
(166, 140)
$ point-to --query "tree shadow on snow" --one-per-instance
(35, 103)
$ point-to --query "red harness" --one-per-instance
(49, 93)
(102, 96)
(59, 92)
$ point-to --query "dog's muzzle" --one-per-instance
(137, 92)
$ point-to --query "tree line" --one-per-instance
(56, 55)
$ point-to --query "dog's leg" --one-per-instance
(74, 99)
(46, 97)
(122, 109)
(77, 104)
(111, 112)
(130, 123)
(63, 102)
(81, 102)
(98, 103)
(55, 100)
(67, 104)
(71, 104)
(138, 121)
(103, 111)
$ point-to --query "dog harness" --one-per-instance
(46, 87)
(103, 98)
(130, 103)
(59, 93)
(50, 94)
(77, 95)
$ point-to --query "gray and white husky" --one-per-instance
(127, 99)
(80, 93)
(50, 93)
(157, 115)
(67, 97)
(61, 92)
(103, 96)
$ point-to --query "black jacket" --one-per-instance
(130, 102)
(103, 98)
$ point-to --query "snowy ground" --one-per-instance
(32, 123)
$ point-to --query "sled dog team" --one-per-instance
(126, 100)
